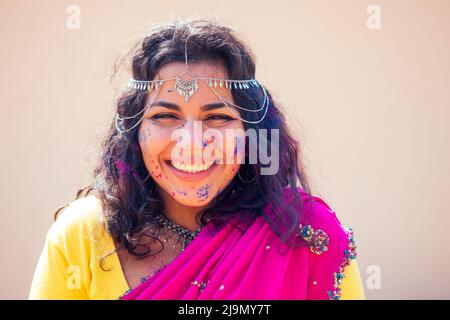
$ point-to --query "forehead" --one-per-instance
(203, 95)
(208, 69)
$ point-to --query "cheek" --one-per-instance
(226, 147)
(145, 135)
(153, 140)
(152, 144)
(229, 171)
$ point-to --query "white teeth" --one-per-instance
(192, 168)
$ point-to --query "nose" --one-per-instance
(190, 141)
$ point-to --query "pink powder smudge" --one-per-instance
(123, 167)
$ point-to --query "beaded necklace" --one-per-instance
(183, 235)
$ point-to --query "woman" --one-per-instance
(167, 218)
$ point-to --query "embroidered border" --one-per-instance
(124, 294)
(349, 254)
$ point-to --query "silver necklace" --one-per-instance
(183, 235)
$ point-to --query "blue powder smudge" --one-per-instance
(203, 192)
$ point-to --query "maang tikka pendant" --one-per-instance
(186, 88)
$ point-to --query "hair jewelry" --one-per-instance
(187, 88)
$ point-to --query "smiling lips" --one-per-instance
(191, 172)
(191, 168)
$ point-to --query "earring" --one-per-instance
(246, 181)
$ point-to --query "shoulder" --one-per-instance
(312, 209)
(319, 223)
(70, 265)
(331, 243)
(77, 222)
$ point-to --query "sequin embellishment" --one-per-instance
(349, 254)
(200, 284)
(318, 240)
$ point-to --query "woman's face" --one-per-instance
(178, 152)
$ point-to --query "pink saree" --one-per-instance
(255, 264)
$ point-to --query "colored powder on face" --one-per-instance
(238, 146)
(203, 192)
(182, 192)
(144, 135)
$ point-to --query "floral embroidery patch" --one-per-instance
(317, 240)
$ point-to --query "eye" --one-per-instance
(219, 117)
(164, 116)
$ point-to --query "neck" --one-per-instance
(180, 214)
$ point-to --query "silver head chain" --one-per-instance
(187, 88)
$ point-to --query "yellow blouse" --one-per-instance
(69, 265)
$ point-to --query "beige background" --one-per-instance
(373, 107)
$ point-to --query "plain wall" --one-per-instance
(371, 108)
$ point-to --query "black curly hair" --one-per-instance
(130, 198)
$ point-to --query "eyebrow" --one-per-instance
(173, 106)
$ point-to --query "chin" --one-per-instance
(192, 202)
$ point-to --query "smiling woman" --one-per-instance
(167, 218)
(180, 178)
